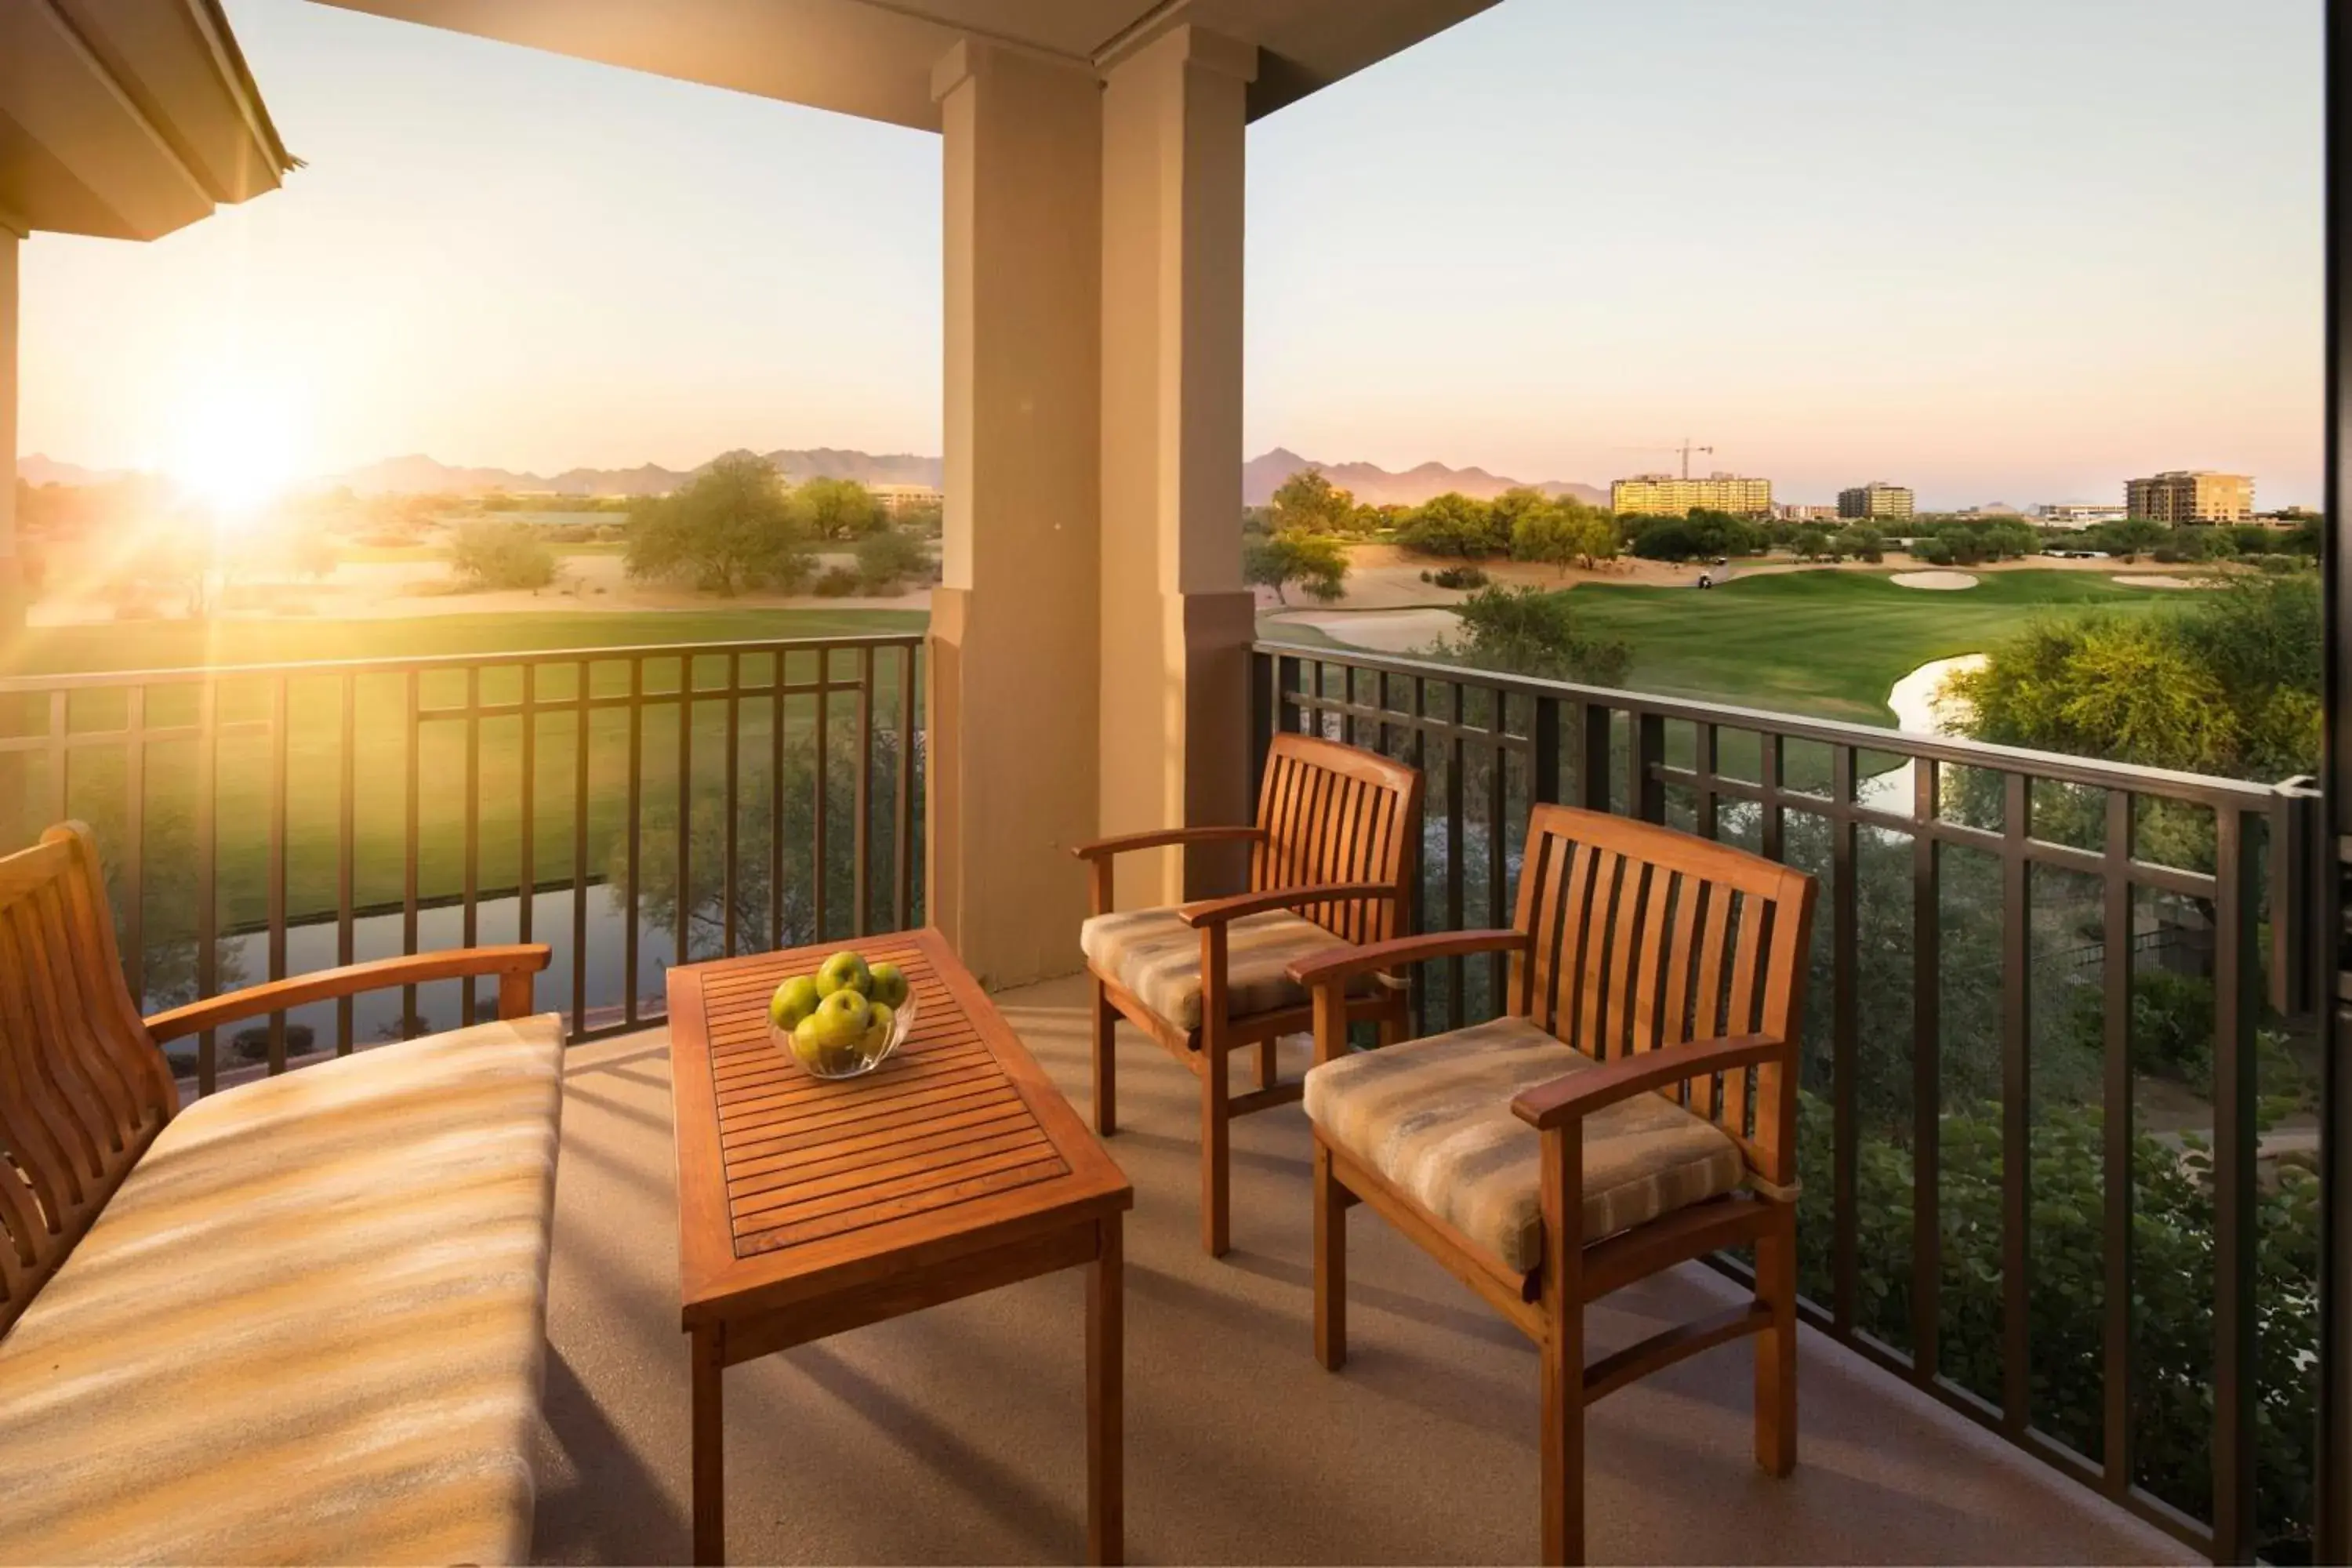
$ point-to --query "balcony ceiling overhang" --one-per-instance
(874, 58)
(126, 119)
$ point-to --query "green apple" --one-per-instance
(889, 985)
(840, 1016)
(878, 1029)
(843, 972)
(795, 999)
(808, 1047)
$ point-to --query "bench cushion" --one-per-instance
(1434, 1117)
(308, 1326)
(1156, 956)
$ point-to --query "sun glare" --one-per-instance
(234, 450)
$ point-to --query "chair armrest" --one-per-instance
(1345, 963)
(1218, 912)
(1104, 848)
(1564, 1099)
(514, 964)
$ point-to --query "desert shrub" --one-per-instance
(1317, 563)
(1528, 631)
(730, 527)
(835, 583)
(487, 554)
(887, 558)
(1457, 577)
(252, 1043)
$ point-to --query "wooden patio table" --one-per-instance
(808, 1206)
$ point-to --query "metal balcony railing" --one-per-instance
(625, 805)
(2057, 1058)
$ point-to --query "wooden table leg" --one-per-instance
(709, 1448)
(1106, 1497)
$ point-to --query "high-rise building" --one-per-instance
(2191, 495)
(1876, 499)
(1665, 495)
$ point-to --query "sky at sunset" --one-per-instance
(2010, 250)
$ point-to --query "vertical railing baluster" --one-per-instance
(2116, 1094)
(2016, 1108)
(580, 748)
(414, 727)
(1770, 776)
(734, 765)
(2237, 1011)
(776, 804)
(207, 870)
(469, 918)
(59, 724)
(862, 800)
(346, 848)
(902, 849)
(1705, 760)
(276, 864)
(1645, 792)
(682, 934)
(1498, 890)
(1455, 969)
(1593, 767)
(1845, 933)
(636, 819)
(820, 849)
(1543, 735)
(132, 852)
(1927, 1074)
(526, 822)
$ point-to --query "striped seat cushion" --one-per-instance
(1434, 1117)
(308, 1328)
(1156, 956)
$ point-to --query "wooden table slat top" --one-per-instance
(787, 1181)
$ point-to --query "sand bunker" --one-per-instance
(2153, 580)
(1383, 631)
(1946, 579)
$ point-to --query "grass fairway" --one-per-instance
(97, 781)
(1828, 644)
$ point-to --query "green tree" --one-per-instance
(1452, 524)
(489, 554)
(1315, 562)
(1812, 544)
(837, 509)
(1307, 502)
(1563, 533)
(727, 528)
(1528, 631)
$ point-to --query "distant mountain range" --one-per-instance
(1376, 486)
(418, 474)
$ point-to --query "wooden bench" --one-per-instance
(301, 1319)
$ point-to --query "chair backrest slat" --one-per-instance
(1336, 814)
(83, 1089)
(1642, 937)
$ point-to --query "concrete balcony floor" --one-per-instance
(952, 1436)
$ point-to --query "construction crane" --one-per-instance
(1685, 449)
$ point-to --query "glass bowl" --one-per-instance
(851, 1060)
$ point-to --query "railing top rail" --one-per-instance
(426, 663)
(2197, 788)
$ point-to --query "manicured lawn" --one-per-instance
(1828, 642)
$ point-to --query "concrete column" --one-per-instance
(11, 597)
(1014, 637)
(1176, 620)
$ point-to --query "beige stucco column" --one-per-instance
(12, 598)
(1177, 622)
(1012, 704)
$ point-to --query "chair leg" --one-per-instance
(1267, 1069)
(1561, 1450)
(1776, 1347)
(1106, 1062)
(1330, 1265)
(1216, 1125)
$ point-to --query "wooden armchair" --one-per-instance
(1605, 1128)
(1332, 861)
(84, 1088)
